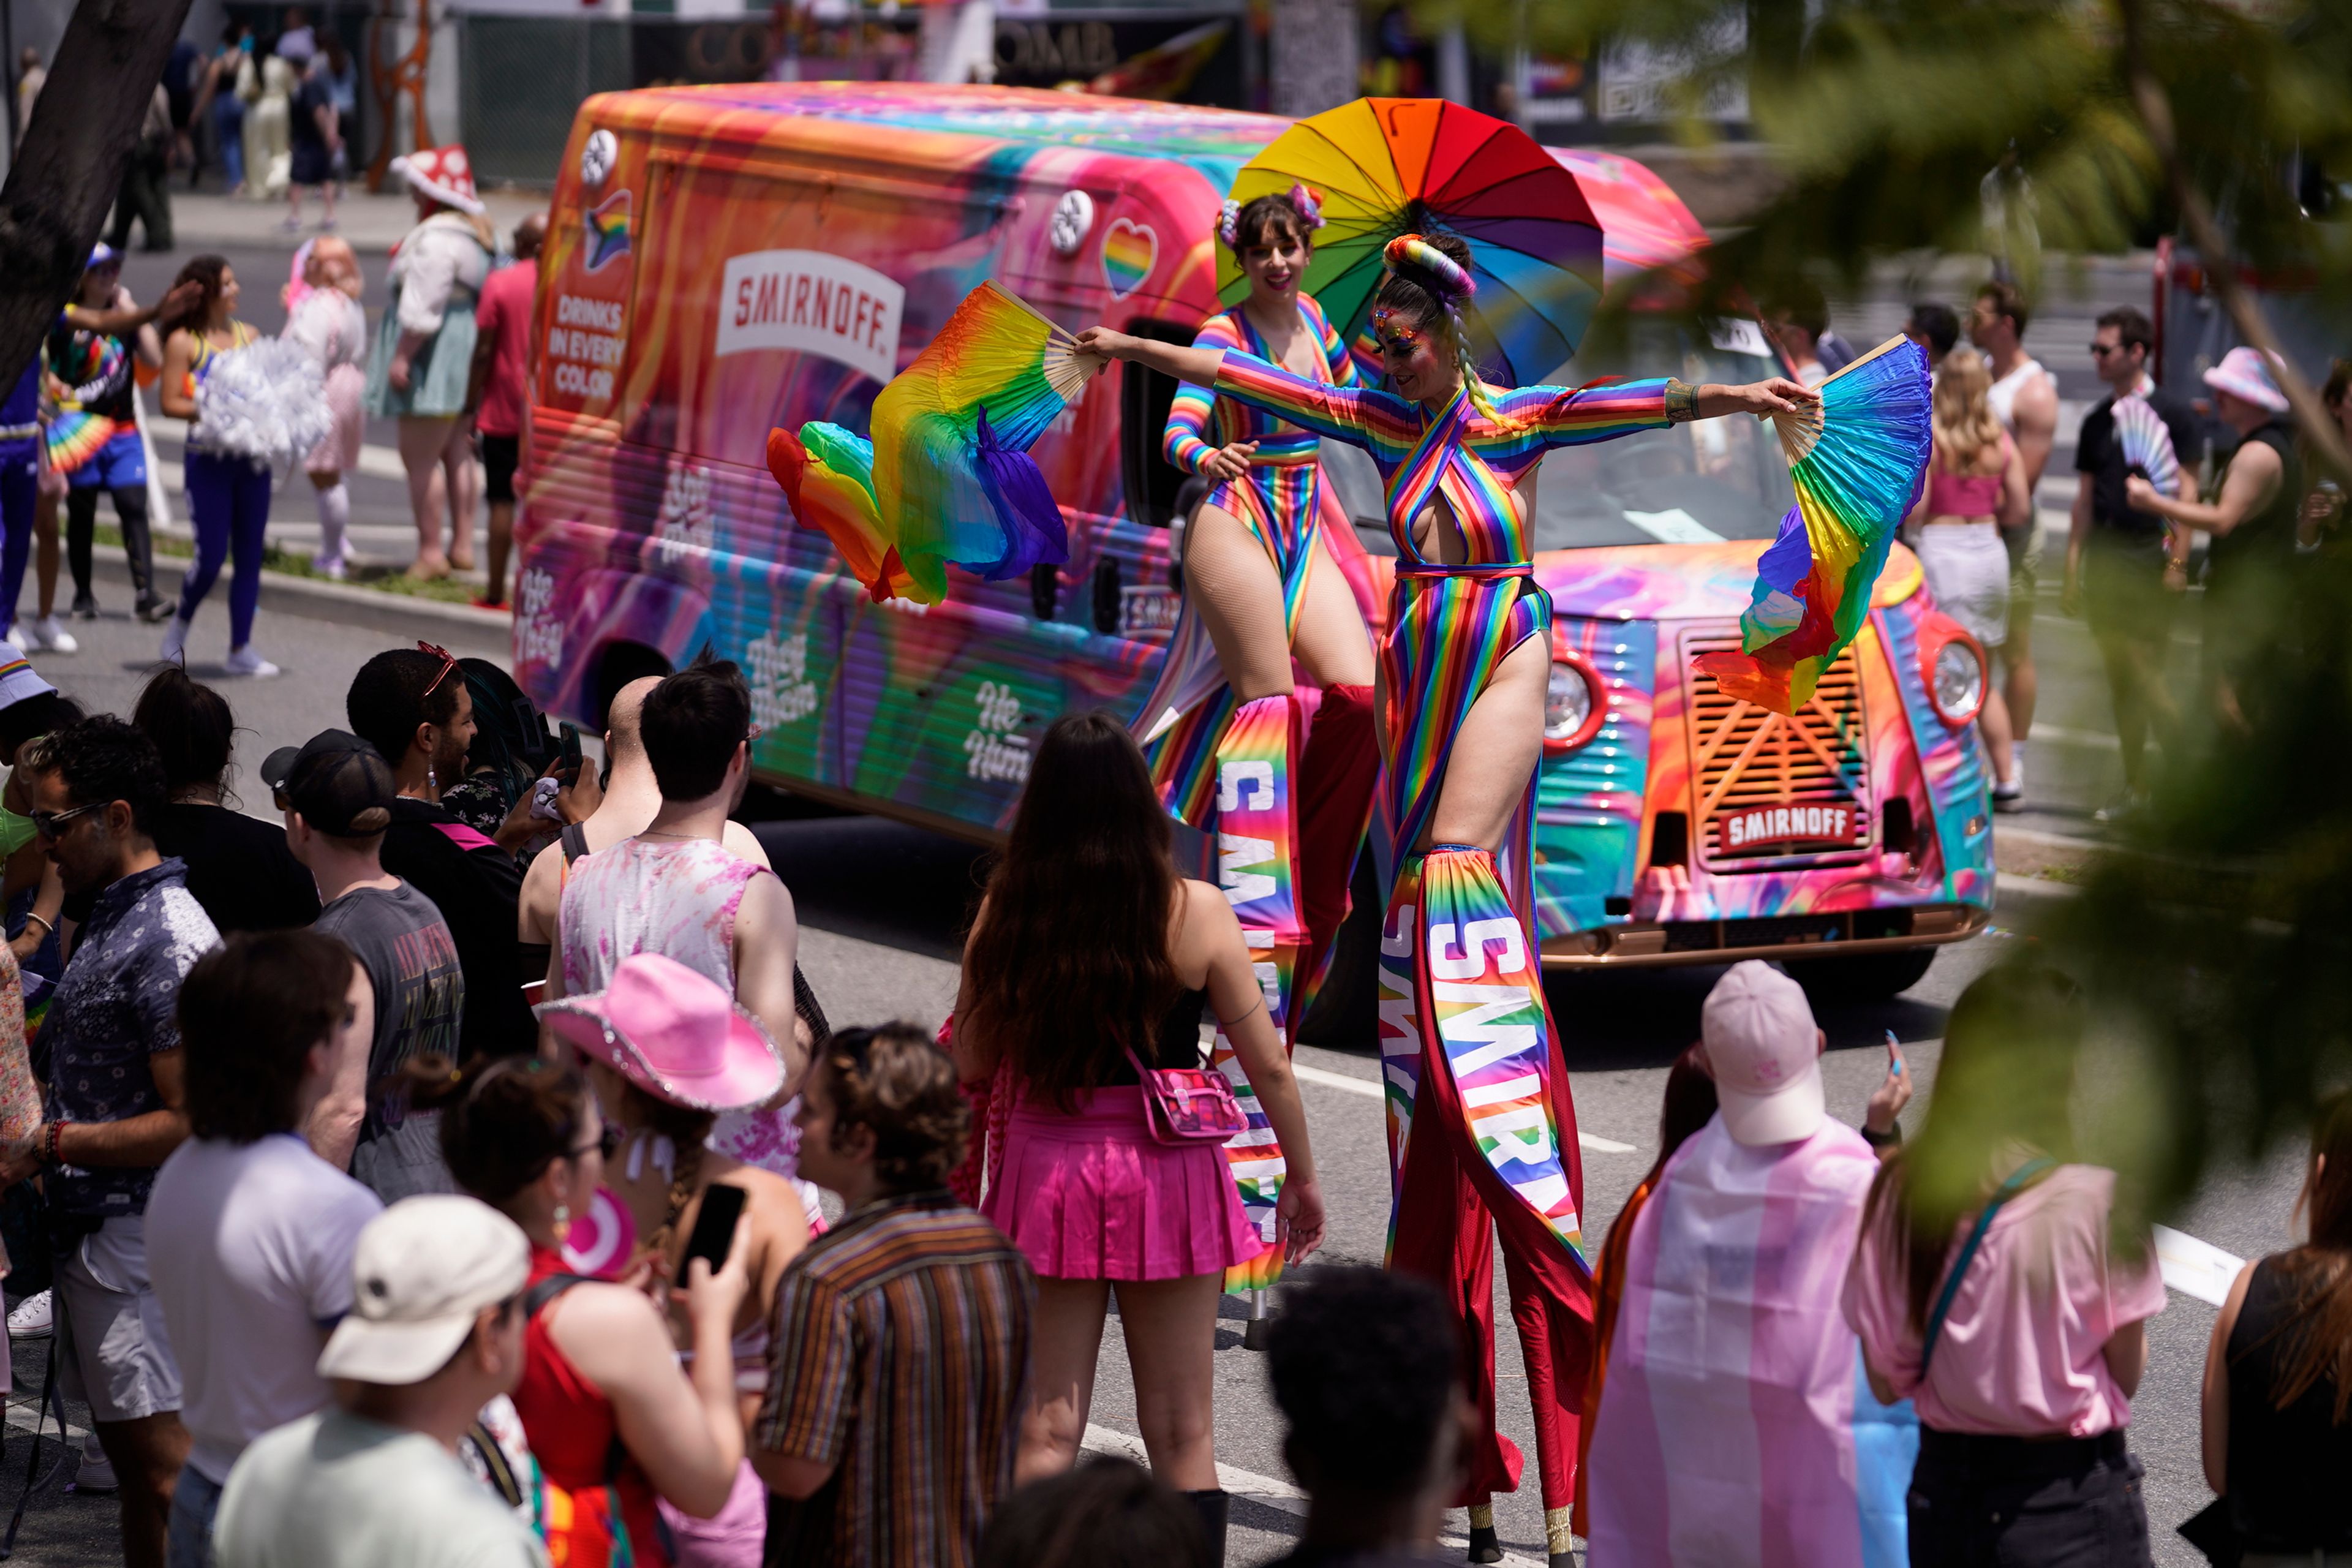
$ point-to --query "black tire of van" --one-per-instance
(1865, 977)
(617, 664)
(1347, 1012)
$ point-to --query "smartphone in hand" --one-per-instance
(714, 1227)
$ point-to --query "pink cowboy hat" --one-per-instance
(673, 1033)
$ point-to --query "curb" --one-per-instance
(401, 616)
(2026, 900)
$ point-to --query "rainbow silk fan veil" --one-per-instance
(948, 477)
(1858, 459)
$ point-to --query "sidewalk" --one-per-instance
(372, 223)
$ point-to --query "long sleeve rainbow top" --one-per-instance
(1472, 461)
(1199, 422)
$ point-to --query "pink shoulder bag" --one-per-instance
(1188, 1105)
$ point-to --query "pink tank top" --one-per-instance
(1966, 495)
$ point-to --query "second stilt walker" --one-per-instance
(1481, 1122)
(1225, 725)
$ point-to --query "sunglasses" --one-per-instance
(448, 664)
(51, 824)
(2100, 350)
(608, 1143)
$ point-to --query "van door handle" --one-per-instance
(1044, 590)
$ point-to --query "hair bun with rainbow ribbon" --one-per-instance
(1421, 262)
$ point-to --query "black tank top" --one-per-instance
(2286, 1468)
(1178, 1044)
(2265, 537)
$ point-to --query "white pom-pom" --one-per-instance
(266, 401)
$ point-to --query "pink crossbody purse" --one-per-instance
(1188, 1105)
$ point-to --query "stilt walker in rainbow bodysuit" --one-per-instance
(1481, 1123)
(1224, 726)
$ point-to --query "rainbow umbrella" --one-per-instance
(1386, 166)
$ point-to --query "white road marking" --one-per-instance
(23, 1418)
(1272, 1493)
(1370, 1088)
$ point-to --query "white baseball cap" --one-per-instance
(18, 678)
(1765, 1050)
(422, 1272)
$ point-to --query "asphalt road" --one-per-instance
(882, 904)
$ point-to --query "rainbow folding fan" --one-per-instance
(75, 436)
(1858, 458)
(948, 477)
(2147, 442)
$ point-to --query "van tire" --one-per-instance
(1865, 977)
(617, 664)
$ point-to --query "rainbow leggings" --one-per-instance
(1481, 1122)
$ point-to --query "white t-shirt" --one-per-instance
(335, 1491)
(249, 1247)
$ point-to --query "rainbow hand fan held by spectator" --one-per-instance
(948, 477)
(1858, 458)
(2146, 444)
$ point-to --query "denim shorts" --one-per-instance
(195, 1502)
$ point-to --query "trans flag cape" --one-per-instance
(1736, 1429)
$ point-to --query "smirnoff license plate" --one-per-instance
(1753, 827)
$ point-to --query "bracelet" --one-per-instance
(1888, 1140)
(54, 1146)
(46, 924)
(1682, 401)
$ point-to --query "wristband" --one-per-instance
(56, 1131)
(1682, 401)
(46, 924)
(1888, 1140)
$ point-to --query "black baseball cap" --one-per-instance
(340, 785)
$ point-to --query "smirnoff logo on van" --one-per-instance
(812, 302)
(1752, 828)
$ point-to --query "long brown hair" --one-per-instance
(2316, 1336)
(2007, 1072)
(1068, 966)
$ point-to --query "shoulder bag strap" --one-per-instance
(2001, 1195)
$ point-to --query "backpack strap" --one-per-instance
(2009, 1189)
(464, 837)
(574, 839)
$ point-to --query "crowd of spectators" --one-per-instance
(348, 1270)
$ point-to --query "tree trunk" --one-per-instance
(69, 163)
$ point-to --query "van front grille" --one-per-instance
(1748, 762)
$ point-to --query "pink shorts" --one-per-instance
(1090, 1196)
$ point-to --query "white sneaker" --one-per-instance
(32, 1317)
(332, 571)
(245, 661)
(175, 641)
(48, 635)
(97, 1472)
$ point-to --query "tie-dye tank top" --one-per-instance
(676, 897)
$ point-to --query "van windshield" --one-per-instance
(1713, 479)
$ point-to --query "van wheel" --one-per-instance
(617, 664)
(1348, 1013)
(1866, 977)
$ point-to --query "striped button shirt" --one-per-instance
(899, 1351)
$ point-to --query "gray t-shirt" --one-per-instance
(333, 1490)
(401, 940)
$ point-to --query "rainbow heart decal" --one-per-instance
(1129, 251)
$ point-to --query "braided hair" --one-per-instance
(1429, 280)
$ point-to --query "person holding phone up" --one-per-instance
(667, 1050)
(615, 1425)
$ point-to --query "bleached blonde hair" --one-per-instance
(1965, 425)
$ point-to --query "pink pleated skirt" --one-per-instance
(1090, 1196)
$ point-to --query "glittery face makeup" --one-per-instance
(1398, 338)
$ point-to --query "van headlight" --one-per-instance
(1956, 678)
(1573, 704)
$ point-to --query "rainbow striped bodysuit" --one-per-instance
(1277, 501)
(1468, 1048)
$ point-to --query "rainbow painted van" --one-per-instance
(725, 259)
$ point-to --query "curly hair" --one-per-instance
(1364, 1366)
(101, 759)
(1106, 1510)
(893, 1080)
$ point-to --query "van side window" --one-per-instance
(1152, 481)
